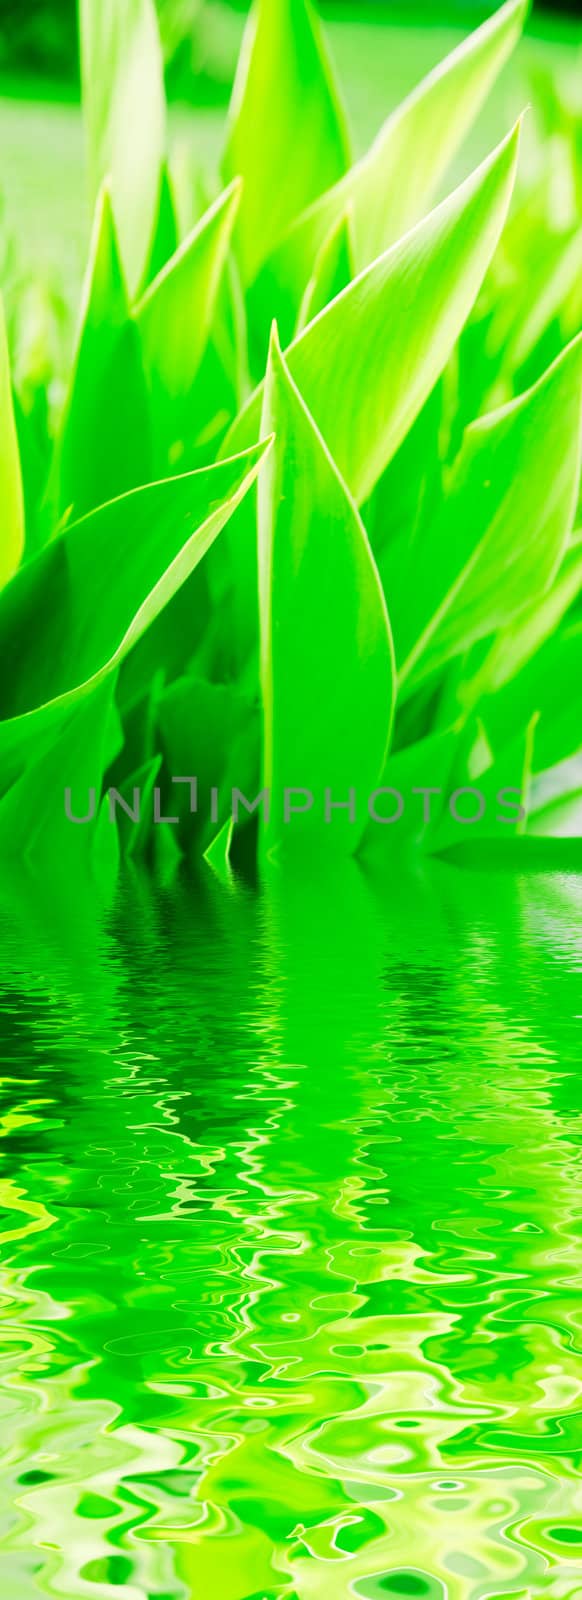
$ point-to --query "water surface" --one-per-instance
(291, 1200)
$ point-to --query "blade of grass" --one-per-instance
(78, 624)
(333, 270)
(504, 525)
(11, 491)
(286, 135)
(105, 446)
(165, 239)
(327, 669)
(516, 645)
(394, 184)
(124, 110)
(367, 363)
(401, 317)
(174, 318)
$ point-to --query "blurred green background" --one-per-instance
(39, 37)
(381, 48)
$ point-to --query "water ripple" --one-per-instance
(290, 1211)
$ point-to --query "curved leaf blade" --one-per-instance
(175, 316)
(286, 136)
(165, 239)
(79, 624)
(521, 642)
(105, 447)
(327, 668)
(549, 686)
(11, 491)
(395, 182)
(333, 270)
(503, 527)
(367, 364)
(34, 827)
(124, 111)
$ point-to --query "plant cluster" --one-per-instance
(308, 513)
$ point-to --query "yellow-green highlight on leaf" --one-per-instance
(405, 330)
(124, 110)
(547, 299)
(286, 135)
(514, 646)
(367, 363)
(34, 827)
(218, 853)
(86, 600)
(11, 493)
(165, 238)
(333, 270)
(549, 685)
(327, 665)
(397, 180)
(504, 525)
(105, 447)
(175, 316)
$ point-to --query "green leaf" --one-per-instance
(545, 304)
(494, 811)
(504, 524)
(286, 136)
(11, 494)
(124, 111)
(135, 837)
(518, 644)
(333, 270)
(218, 853)
(401, 317)
(105, 447)
(369, 361)
(405, 496)
(409, 773)
(34, 827)
(175, 316)
(549, 685)
(221, 384)
(165, 240)
(392, 186)
(87, 598)
(36, 452)
(211, 731)
(327, 669)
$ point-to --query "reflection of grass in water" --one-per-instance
(42, 179)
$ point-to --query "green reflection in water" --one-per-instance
(291, 1240)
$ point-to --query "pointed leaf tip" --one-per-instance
(502, 532)
(274, 342)
(124, 113)
(11, 490)
(422, 136)
(283, 100)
